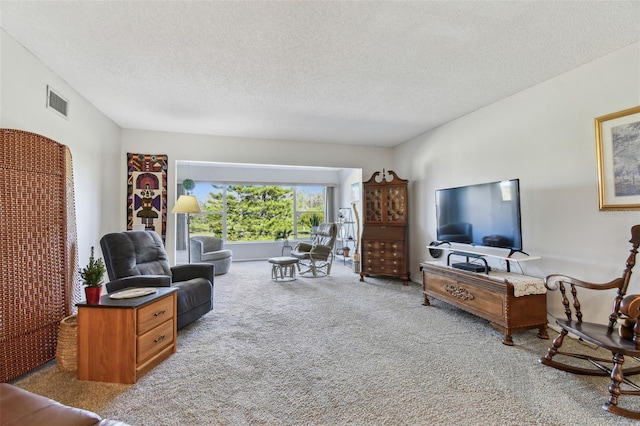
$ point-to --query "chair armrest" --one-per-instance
(138, 281)
(303, 247)
(212, 244)
(193, 270)
(321, 251)
(196, 249)
(552, 282)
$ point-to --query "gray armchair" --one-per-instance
(138, 259)
(211, 250)
(317, 256)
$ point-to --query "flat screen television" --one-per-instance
(486, 214)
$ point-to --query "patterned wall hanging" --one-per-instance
(147, 193)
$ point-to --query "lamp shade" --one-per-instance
(186, 204)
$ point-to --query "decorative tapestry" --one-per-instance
(147, 193)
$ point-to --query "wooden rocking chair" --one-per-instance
(624, 341)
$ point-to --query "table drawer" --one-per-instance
(154, 314)
(154, 341)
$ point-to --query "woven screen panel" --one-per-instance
(35, 291)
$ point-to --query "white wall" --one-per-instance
(347, 178)
(94, 140)
(189, 147)
(544, 136)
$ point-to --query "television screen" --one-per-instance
(487, 214)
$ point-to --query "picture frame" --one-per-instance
(355, 192)
(618, 156)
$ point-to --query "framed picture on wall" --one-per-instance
(355, 192)
(618, 151)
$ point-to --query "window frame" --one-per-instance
(295, 235)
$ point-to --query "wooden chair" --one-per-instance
(621, 341)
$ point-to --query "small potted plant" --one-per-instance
(315, 222)
(188, 185)
(346, 250)
(92, 275)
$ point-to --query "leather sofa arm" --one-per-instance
(138, 281)
(23, 408)
(193, 270)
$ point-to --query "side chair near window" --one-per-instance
(621, 341)
(316, 257)
(139, 259)
(206, 249)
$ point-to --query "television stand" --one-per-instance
(488, 297)
(468, 253)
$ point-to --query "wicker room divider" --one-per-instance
(38, 250)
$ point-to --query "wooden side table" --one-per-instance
(121, 340)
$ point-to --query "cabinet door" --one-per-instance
(373, 204)
(396, 204)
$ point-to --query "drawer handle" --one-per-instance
(160, 339)
(157, 314)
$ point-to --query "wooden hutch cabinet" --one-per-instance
(384, 238)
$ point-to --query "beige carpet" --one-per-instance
(335, 351)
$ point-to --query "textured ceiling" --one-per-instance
(355, 72)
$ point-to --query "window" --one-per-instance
(250, 213)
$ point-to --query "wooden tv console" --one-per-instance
(487, 298)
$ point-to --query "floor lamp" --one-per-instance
(187, 204)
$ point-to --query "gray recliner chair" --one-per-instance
(206, 249)
(139, 259)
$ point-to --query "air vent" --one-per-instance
(57, 103)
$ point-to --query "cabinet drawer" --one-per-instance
(383, 269)
(397, 262)
(384, 254)
(154, 314)
(384, 249)
(154, 341)
(383, 245)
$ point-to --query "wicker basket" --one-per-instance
(67, 349)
